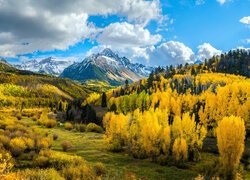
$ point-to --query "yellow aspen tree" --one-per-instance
(166, 139)
(116, 127)
(150, 134)
(176, 127)
(193, 134)
(230, 140)
(180, 149)
(135, 139)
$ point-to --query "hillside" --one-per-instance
(234, 62)
(26, 88)
(108, 67)
(173, 117)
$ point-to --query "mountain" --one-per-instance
(5, 66)
(35, 89)
(108, 67)
(49, 65)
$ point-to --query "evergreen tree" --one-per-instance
(60, 106)
(104, 99)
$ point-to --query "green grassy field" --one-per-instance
(91, 146)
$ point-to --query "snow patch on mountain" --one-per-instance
(107, 66)
(49, 65)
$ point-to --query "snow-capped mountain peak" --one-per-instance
(106, 66)
(48, 65)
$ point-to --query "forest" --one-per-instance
(188, 121)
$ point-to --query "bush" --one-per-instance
(82, 171)
(100, 169)
(5, 163)
(49, 158)
(29, 143)
(51, 123)
(92, 127)
(38, 174)
(68, 126)
(34, 118)
(81, 127)
(55, 137)
(17, 146)
(44, 143)
(19, 116)
(4, 140)
(66, 145)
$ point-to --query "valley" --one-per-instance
(170, 125)
(124, 90)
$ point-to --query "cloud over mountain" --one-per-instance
(127, 35)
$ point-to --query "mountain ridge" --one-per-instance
(106, 66)
(48, 65)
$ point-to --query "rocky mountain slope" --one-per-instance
(49, 65)
(106, 66)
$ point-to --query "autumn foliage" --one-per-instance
(230, 137)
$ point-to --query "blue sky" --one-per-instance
(150, 32)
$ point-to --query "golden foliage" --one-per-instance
(230, 139)
(94, 98)
(180, 149)
(5, 163)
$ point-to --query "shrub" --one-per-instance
(19, 116)
(49, 174)
(44, 143)
(51, 123)
(92, 127)
(49, 158)
(5, 163)
(17, 146)
(81, 127)
(34, 118)
(29, 143)
(55, 137)
(82, 171)
(99, 169)
(230, 138)
(68, 126)
(4, 140)
(66, 145)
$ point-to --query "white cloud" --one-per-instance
(172, 52)
(139, 10)
(245, 20)
(221, 1)
(28, 26)
(124, 35)
(206, 51)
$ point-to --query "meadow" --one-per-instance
(92, 147)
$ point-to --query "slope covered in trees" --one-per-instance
(234, 62)
(23, 88)
(167, 116)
